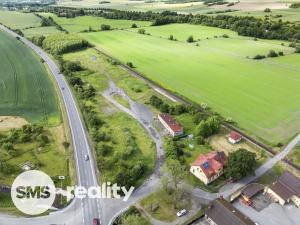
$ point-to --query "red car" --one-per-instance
(96, 222)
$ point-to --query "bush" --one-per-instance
(280, 53)
(272, 54)
(295, 5)
(190, 39)
(133, 25)
(141, 31)
(258, 57)
(297, 50)
(267, 10)
(130, 64)
(105, 27)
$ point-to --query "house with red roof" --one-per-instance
(172, 126)
(209, 167)
(234, 137)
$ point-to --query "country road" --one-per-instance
(80, 212)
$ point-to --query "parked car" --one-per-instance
(96, 221)
(182, 212)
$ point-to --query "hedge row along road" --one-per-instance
(79, 211)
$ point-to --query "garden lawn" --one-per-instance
(81, 23)
(261, 96)
(25, 88)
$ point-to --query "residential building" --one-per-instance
(209, 167)
(234, 137)
(286, 189)
(221, 212)
(172, 126)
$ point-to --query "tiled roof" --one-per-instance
(223, 213)
(172, 123)
(211, 163)
(234, 135)
(287, 186)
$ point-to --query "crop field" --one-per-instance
(18, 20)
(261, 96)
(83, 22)
(25, 87)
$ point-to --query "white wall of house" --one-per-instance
(296, 200)
(280, 200)
(232, 141)
(197, 171)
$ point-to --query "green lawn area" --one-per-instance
(19, 20)
(119, 126)
(292, 15)
(165, 210)
(52, 158)
(272, 175)
(45, 31)
(81, 23)
(217, 72)
(294, 156)
(25, 87)
(182, 31)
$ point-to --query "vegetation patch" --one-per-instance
(61, 43)
(125, 153)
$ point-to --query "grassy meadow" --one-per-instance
(119, 126)
(81, 23)
(217, 72)
(25, 87)
(19, 20)
(46, 31)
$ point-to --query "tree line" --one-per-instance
(244, 25)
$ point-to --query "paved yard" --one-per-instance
(274, 214)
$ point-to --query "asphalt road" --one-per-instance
(80, 212)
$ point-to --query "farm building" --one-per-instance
(173, 127)
(286, 189)
(221, 212)
(209, 167)
(250, 191)
(234, 137)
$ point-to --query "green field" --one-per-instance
(18, 20)
(25, 87)
(292, 15)
(261, 96)
(81, 23)
(45, 31)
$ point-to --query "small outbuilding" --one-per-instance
(234, 137)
